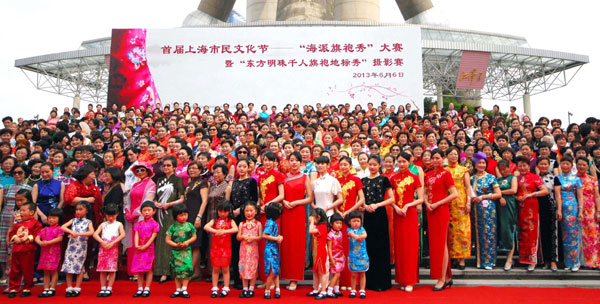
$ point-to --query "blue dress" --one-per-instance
(48, 195)
(486, 219)
(358, 260)
(571, 232)
(272, 263)
(77, 248)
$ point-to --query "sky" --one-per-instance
(37, 27)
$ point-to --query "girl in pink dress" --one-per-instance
(108, 235)
(220, 247)
(249, 235)
(50, 239)
(337, 260)
(143, 260)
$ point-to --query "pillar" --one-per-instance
(302, 10)
(261, 10)
(353, 10)
(527, 104)
(440, 98)
(412, 8)
(220, 9)
(76, 102)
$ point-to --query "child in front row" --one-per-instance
(50, 239)
(249, 235)
(143, 260)
(22, 236)
(108, 235)
(358, 260)
(271, 255)
(318, 229)
(337, 260)
(179, 236)
(221, 229)
(81, 228)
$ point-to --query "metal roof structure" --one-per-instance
(515, 69)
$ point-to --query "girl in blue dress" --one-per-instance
(358, 260)
(272, 240)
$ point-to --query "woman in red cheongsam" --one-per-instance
(270, 189)
(298, 192)
(354, 198)
(439, 191)
(406, 223)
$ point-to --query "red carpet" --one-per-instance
(421, 294)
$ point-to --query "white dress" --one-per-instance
(326, 188)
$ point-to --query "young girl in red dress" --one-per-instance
(318, 228)
(220, 247)
(335, 250)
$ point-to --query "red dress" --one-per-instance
(293, 229)
(406, 229)
(437, 183)
(220, 246)
(268, 183)
(350, 184)
(320, 249)
(529, 223)
(390, 214)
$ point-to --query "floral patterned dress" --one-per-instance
(271, 257)
(337, 250)
(507, 230)
(548, 223)
(590, 234)
(77, 248)
(529, 219)
(486, 219)
(181, 258)
(108, 258)
(248, 264)
(569, 184)
(358, 260)
(50, 255)
(143, 261)
(459, 230)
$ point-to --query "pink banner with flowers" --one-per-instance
(130, 80)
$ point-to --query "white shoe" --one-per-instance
(575, 269)
(488, 268)
(531, 268)
(408, 288)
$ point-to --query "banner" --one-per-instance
(267, 65)
(472, 71)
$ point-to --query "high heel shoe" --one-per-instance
(439, 288)
(449, 283)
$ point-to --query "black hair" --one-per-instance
(334, 218)
(375, 157)
(253, 204)
(86, 205)
(110, 209)
(321, 214)
(322, 160)
(522, 159)
(270, 156)
(172, 159)
(566, 158)
(273, 211)
(406, 155)
(148, 204)
(353, 215)
(224, 206)
(503, 163)
(114, 173)
(587, 161)
(297, 155)
(223, 167)
(56, 212)
(179, 209)
(26, 193)
(31, 206)
(83, 172)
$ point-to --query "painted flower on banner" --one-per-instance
(137, 56)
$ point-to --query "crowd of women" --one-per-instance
(448, 185)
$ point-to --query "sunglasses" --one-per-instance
(346, 137)
(362, 138)
(212, 129)
(18, 172)
(387, 135)
(242, 152)
(331, 130)
(374, 147)
(396, 150)
(141, 169)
